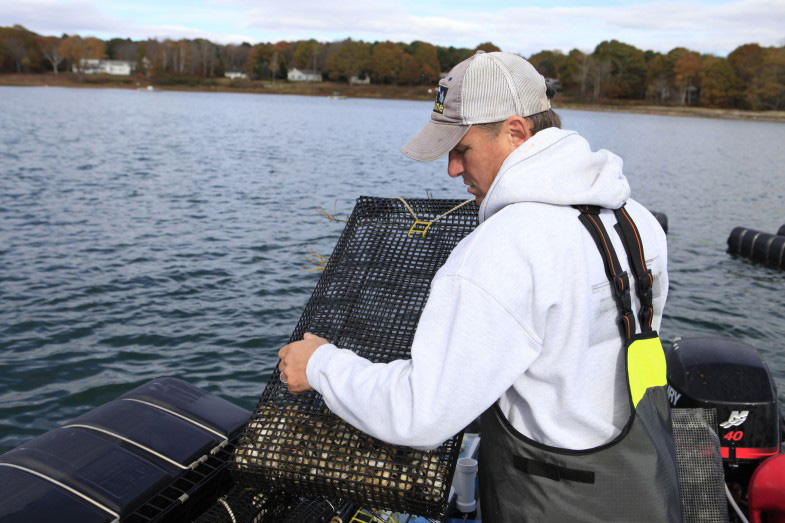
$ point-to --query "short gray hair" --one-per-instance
(537, 123)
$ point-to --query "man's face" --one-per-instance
(477, 159)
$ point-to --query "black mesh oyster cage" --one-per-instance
(369, 300)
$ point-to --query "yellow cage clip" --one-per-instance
(417, 228)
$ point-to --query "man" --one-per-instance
(520, 324)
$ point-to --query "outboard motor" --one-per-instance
(731, 377)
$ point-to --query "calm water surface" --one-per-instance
(157, 233)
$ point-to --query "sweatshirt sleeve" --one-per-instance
(467, 351)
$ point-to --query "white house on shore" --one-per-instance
(354, 80)
(116, 67)
(235, 74)
(303, 75)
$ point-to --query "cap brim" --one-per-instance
(434, 141)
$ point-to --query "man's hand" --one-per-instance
(294, 360)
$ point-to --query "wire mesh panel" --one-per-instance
(699, 464)
(369, 300)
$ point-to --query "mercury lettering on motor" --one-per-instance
(673, 396)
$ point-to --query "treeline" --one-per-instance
(751, 77)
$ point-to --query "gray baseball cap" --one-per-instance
(484, 88)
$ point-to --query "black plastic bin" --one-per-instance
(150, 455)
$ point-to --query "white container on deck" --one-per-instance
(463, 483)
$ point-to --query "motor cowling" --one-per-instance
(731, 377)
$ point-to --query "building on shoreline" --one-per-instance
(360, 80)
(303, 75)
(235, 74)
(115, 67)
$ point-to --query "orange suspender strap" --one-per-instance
(644, 280)
(620, 281)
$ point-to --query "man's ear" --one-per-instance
(519, 129)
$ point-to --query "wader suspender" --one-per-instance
(631, 478)
(620, 281)
(645, 357)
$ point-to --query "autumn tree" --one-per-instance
(578, 68)
(50, 48)
(306, 54)
(386, 62)
(427, 61)
(410, 71)
(600, 75)
(181, 56)
(659, 76)
(206, 57)
(235, 56)
(139, 57)
(686, 74)
(122, 49)
(719, 83)
(266, 62)
(747, 61)
(73, 49)
(767, 89)
(627, 75)
(257, 65)
(17, 50)
(348, 58)
(488, 47)
(550, 64)
(94, 48)
(449, 57)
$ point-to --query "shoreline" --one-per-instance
(372, 91)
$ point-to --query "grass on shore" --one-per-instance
(395, 92)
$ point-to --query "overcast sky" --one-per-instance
(522, 27)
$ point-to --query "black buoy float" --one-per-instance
(663, 219)
(781, 232)
(758, 246)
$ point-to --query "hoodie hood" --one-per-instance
(557, 167)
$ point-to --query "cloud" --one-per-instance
(53, 17)
(659, 24)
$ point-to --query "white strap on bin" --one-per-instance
(134, 443)
(66, 487)
(186, 418)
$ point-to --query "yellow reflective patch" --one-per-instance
(645, 367)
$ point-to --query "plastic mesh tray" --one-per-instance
(369, 300)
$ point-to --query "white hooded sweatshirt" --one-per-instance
(521, 313)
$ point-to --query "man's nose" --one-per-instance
(454, 166)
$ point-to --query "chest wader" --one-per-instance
(629, 479)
